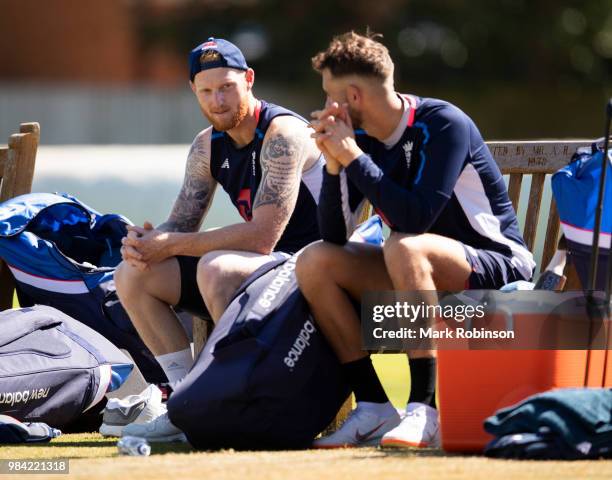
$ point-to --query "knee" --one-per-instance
(209, 275)
(314, 263)
(127, 280)
(406, 252)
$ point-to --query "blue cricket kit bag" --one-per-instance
(52, 367)
(576, 190)
(63, 253)
(266, 378)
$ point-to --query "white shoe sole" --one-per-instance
(111, 430)
(175, 437)
(372, 442)
(117, 430)
(399, 443)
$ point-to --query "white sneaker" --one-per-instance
(141, 408)
(159, 430)
(362, 428)
(419, 428)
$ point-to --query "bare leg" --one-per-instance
(326, 274)
(220, 274)
(329, 276)
(425, 263)
(147, 297)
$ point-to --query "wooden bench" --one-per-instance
(17, 162)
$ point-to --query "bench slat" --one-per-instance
(514, 189)
(7, 174)
(3, 160)
(23, 146)
(533, 208)
(552, 235)
(6, 278)
(201, 330)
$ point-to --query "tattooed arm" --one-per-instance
(197, 191)
(287, 145)
(285, 150)
(146, 245)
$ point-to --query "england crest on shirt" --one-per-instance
(408, 153)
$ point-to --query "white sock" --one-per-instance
(176, 364)
(381, 409)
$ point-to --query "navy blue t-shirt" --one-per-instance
(439, 177)
(238, 170)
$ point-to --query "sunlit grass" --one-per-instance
(394, 374)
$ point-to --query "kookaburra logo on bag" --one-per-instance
(408, 152)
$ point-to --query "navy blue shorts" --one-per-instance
(191, 300)
(490, 270)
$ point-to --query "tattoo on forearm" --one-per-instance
(196, 193)
(281, 160)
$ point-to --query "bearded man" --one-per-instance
(264, 158)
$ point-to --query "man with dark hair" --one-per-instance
(425, 168)
(264, 158)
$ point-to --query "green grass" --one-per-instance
(394, 374)
(80, 445)
(93, 457)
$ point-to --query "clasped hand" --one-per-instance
(333, 133)
(144, 246)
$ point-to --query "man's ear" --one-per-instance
(193, 88)
(354, 95)
(250, 78)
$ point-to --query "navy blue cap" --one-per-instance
(230, 56)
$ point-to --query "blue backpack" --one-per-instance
(576, 191)
(63, 253)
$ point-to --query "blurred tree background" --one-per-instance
(521, 68)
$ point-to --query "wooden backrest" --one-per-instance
(536, 158)
(17, 162)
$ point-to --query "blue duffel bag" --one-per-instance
(266, 378)
(63, 253)
(53, 368)
(576, 190)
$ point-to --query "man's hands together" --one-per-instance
(144, 246)
(333, 133)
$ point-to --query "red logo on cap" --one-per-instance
(209, 44)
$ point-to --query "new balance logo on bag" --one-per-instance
(280, 283)
(301, 342)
